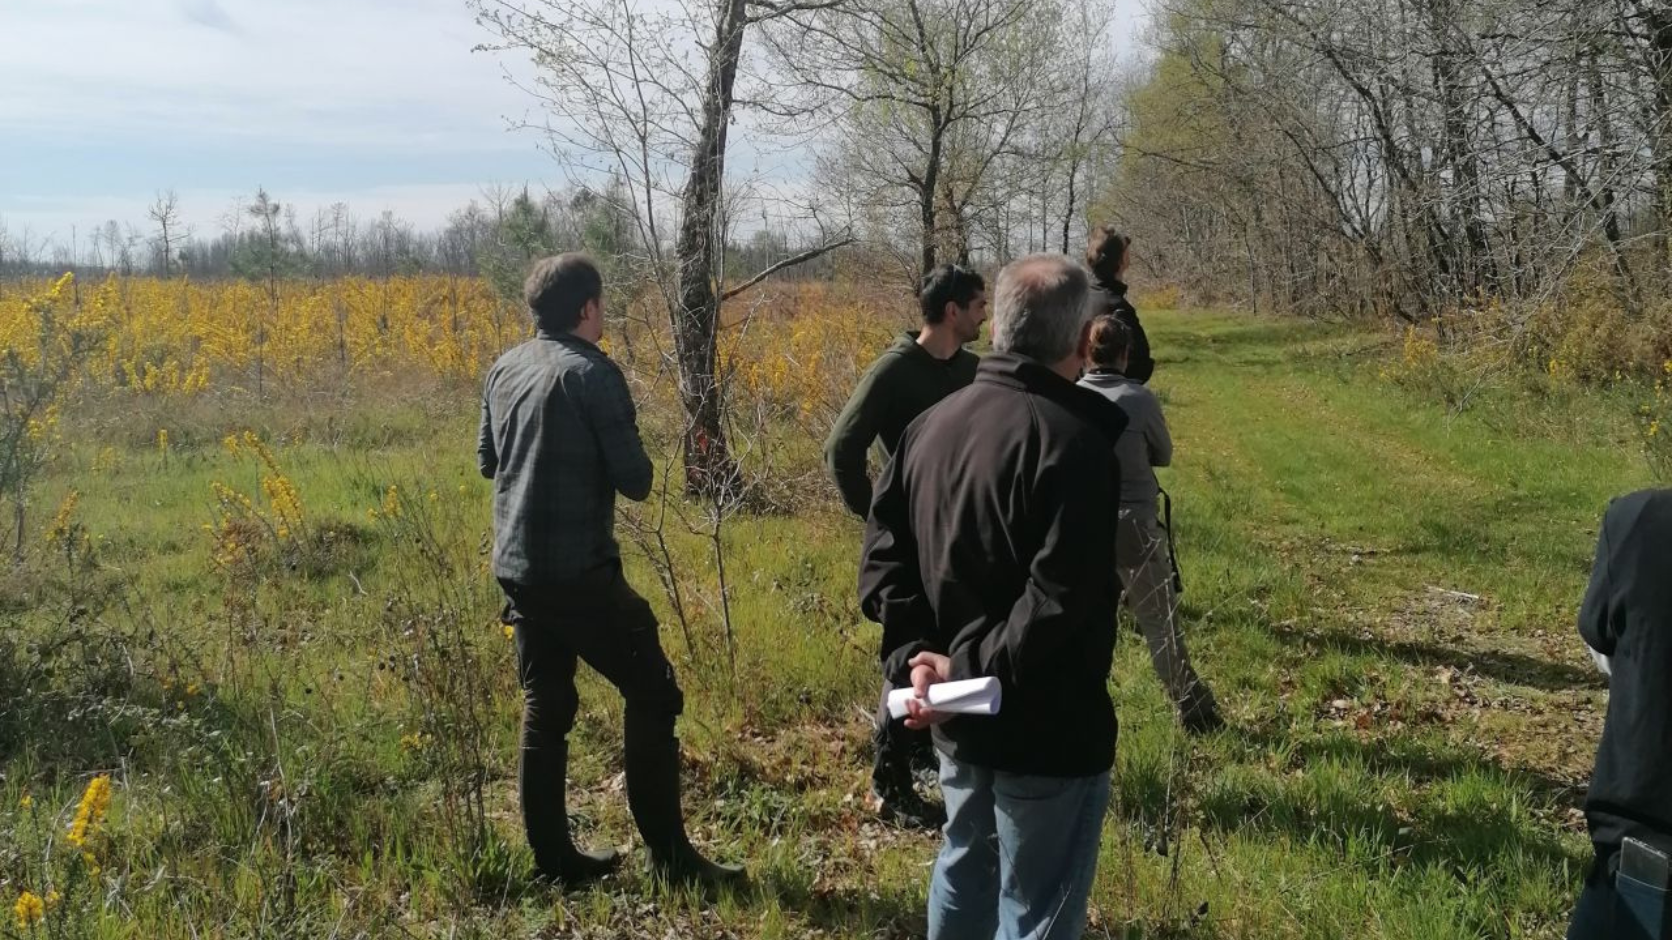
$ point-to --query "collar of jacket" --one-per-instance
(1106, 378)
(567, 339)
(907, 345)
(1117, 287)
(1030, 376)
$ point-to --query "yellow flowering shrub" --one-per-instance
(1654, 418)
(802, 352)
(95, 802)
(242, 527)
(71, 863)
(29, 910)
(181, 338)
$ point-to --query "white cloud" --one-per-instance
(299, 70)
(208, 13)
(377, 103)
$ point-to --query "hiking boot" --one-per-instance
(1202, 720)
(579, 866)
(541, 775)
(653, 795)
(685, 865)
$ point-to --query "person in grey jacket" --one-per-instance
(1142, 556)
(560, 440)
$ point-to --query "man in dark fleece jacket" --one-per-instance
(990, 551)
(904, 382)
(1626, 620)
(913, 374)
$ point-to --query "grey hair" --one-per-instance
(1041, 303)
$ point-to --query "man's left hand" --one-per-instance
(926, 670)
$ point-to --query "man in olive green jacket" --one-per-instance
(906, 380)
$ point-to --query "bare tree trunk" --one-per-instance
(1607, 172)
(710, 469)
(1659, 25)
(1068, 211)
(926, 189)
(1457, 149)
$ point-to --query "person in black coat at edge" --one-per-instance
(1626, 620)
(1107, 254)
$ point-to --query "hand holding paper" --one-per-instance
(965, 697)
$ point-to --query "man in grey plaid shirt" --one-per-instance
(560, 439)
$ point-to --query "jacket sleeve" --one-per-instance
(616, 427)
(1598, 617)
(1156, 435)
(1071, 584)
(487, 457)
(891, 590)
(851, 437)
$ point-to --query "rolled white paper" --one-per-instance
(964, 697)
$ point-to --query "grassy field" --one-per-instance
(306, 710)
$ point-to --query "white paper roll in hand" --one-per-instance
(965, 697)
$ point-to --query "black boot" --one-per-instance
(892, 790)
(653, 796)
(542, 780)
(1202, 719)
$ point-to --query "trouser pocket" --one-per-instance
(1643, 907)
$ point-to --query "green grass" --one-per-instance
(1380, 589)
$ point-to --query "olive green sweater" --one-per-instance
(902, 384)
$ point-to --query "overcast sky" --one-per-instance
(377, 103)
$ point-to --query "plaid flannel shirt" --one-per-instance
(559, 438)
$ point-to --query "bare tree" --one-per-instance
(1411, 158)
(171, 231)
(932, 96)
(265, 260)
(650, 96)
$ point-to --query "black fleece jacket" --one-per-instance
(992, 540)
(1140, 365)
(1627, 616)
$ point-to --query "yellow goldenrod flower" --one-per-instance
(95, 800)
(64, 519)
(26, 802)
(510, 631)
(162, 440)
(52, 899)
(29, 910)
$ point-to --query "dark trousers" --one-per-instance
(897, 749)
(596, 618)
(1615, 907)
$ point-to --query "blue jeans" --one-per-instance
(1019, 857)
(1615, 907)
